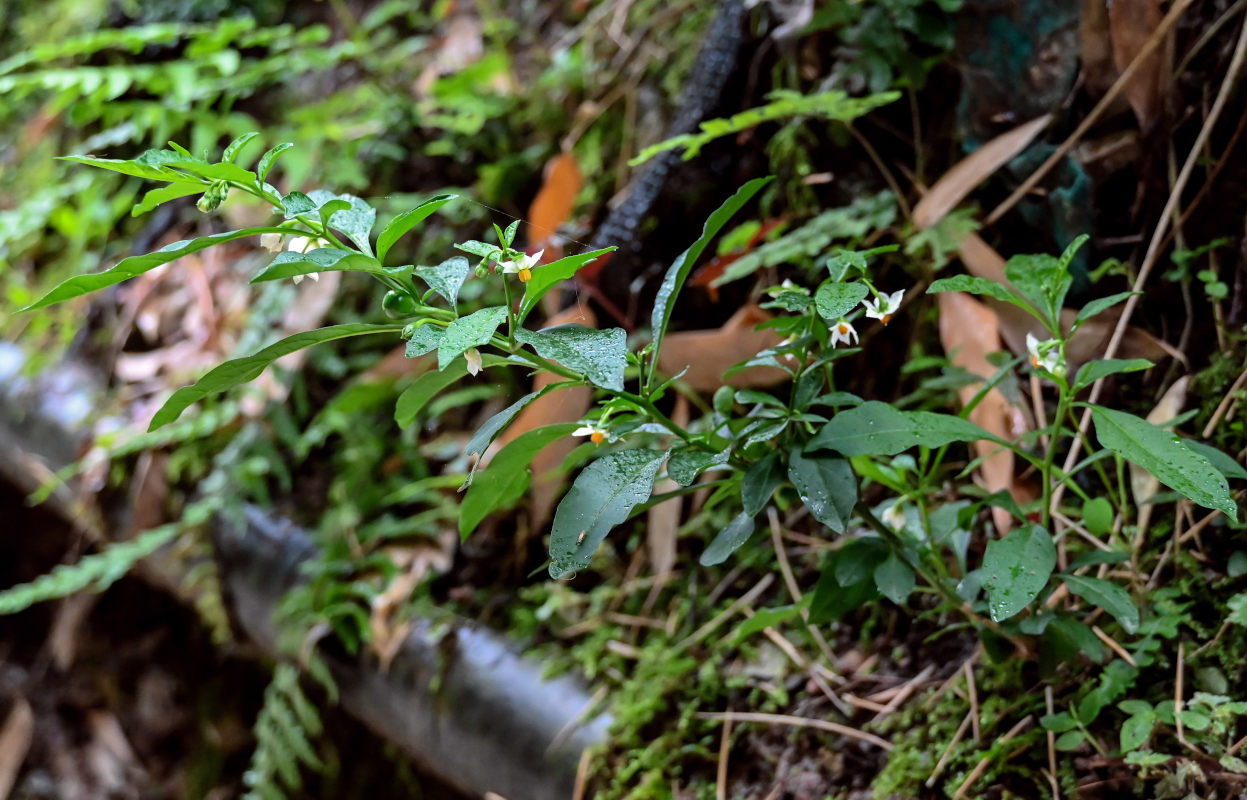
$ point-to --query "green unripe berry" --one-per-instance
(398, 304)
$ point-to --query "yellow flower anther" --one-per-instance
(597, 437)
(525, 275)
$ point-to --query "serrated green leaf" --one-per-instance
(547, 276)
(876, 428)
(601, 356)
(1092, 371)
(467, 332)
(835, 300)
(446, 278)
(269, 158)
(728, 540)
(1108, 596)
(1016, 569)
(602, 496)
(686, 463)
(502, 483)
(400, 225)
(826, 485)
(241, 370)
(136, 265)
(289, 263)
(164, 194)
(232, 150)
(679, 270)
(1166, 457)
(895, 579)
(416, 396)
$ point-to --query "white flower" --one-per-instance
(894, 516)
(522, 266)
(473, 357)
(786, 286)
(842, 331)
(884, 306)
(275, 243)
(1045, 355)
(596, 435)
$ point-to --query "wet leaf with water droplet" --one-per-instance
(827, 487)
(875, 428)
(1016, 569)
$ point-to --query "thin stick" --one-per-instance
(981, 767)
(725, 749)
(1051, 737)
(799, 722)
(952, 679)
(1113, 645)
(1154, 41)
(1224, 405)
(1177, 693)
(905, 691)
(582, 776)
(974, 699)
(948, 751)
(1154, 249)
(795, 655)
(791, 582)
(744, 600)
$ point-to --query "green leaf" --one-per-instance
(857, 559)
(1078, 636)
(1016, 569)
(728, 540)
(982, 286)
(602, 496)
(289, 263)
(686, 463)
(446, 278)
(601, 356)
(1070, 740)
(231, 152)
(760, 482)
(136, 265)
(1058, 723)
(1226, 465)
(895, 579)
(832, 600)
(135, 168)
(1108, 596)
(164, 194)
(1096, 307)
(1195, 720)
(503, 482)
(834, 300)
(297, 204)
(222, 171)
(547, 276)
(1136, 730)
(876, 428)
(486, 434)
(400, 225)
(1097, 557)
(416, 396)
(424, 339)
(826, 485)
(241, 370)
(1097, 516)
(355, 221)
(1092, 371)
(1236, 567)
(1166, 457)
(1041, 279)
(467, 332)
(269, 158)
(768, 618)
(679, 271)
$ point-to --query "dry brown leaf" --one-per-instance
(1098, 69)
(710, 353)
(663, 520)
(567, 405)
(463, 45)
(553, 205)
(969, 172)
(969, 331)
(66, 632)
(416, 562)
(15, 738)
(1131, 24)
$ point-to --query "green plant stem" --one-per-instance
(1058, 420)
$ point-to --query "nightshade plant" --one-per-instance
(812, 445)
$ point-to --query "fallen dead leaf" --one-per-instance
(1096, 47)
(969, 331)
(953, 187)
(416, 562)
(1131, 24)
(709, 353)
(663, 520)
(15, 739)
(553, 205)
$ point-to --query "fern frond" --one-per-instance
(282, 731)
(95, 572)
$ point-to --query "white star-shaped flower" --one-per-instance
(843, 331)
(522, 266)
(596, 435)
(884, 306)
(1045, 355)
